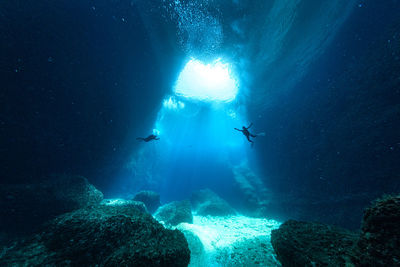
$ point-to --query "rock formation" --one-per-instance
(175, 213)
(150, 199)
(101, 236)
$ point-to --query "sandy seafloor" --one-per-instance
(230, 241)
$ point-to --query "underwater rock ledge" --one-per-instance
(101, 236)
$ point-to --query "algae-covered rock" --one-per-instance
(102, 236)
(312, 244)
(175, 213)
(74, 191)
(206, 202)
(124, 202)
(150, 199)
(379, 242)
(25, 207)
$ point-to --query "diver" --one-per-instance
(148, 138)
(246, 132)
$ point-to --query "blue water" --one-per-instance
(81, 81)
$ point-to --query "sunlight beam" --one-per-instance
(207, 82)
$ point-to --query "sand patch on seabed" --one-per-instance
(230, 241)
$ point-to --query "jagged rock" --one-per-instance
(24, 207)
(206, 202)
(102, 236)
(124, 202)
(175, 213)
(379, 242)
(150, 199)
(311, 244)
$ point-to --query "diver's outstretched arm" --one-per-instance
(251, 124)
(140, 138)
(238, 129)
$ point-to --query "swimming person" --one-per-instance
(148, 138)
(246, 132)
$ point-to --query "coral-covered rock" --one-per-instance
(24, 207)
(150, 199)
(379, 242)
(311, 244)
(206, 202)
(102, 236)
(175, 213)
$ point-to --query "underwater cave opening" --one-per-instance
(198, 146)
(214, 81)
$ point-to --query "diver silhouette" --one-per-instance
(245, 131)
(148, 138)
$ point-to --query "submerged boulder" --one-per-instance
(150, 198)
(206, 202)
(102, 236)
(125, 203)
(74, 191)
(299, 243)
(24, 207)
(198, 255)
(379, 242)
(175, 213)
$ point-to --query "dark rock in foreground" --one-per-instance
(311, 244)
(25, 207)
(102, 236)
(150, 199)
(379, 242)
(206, 202)
(175, 213)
